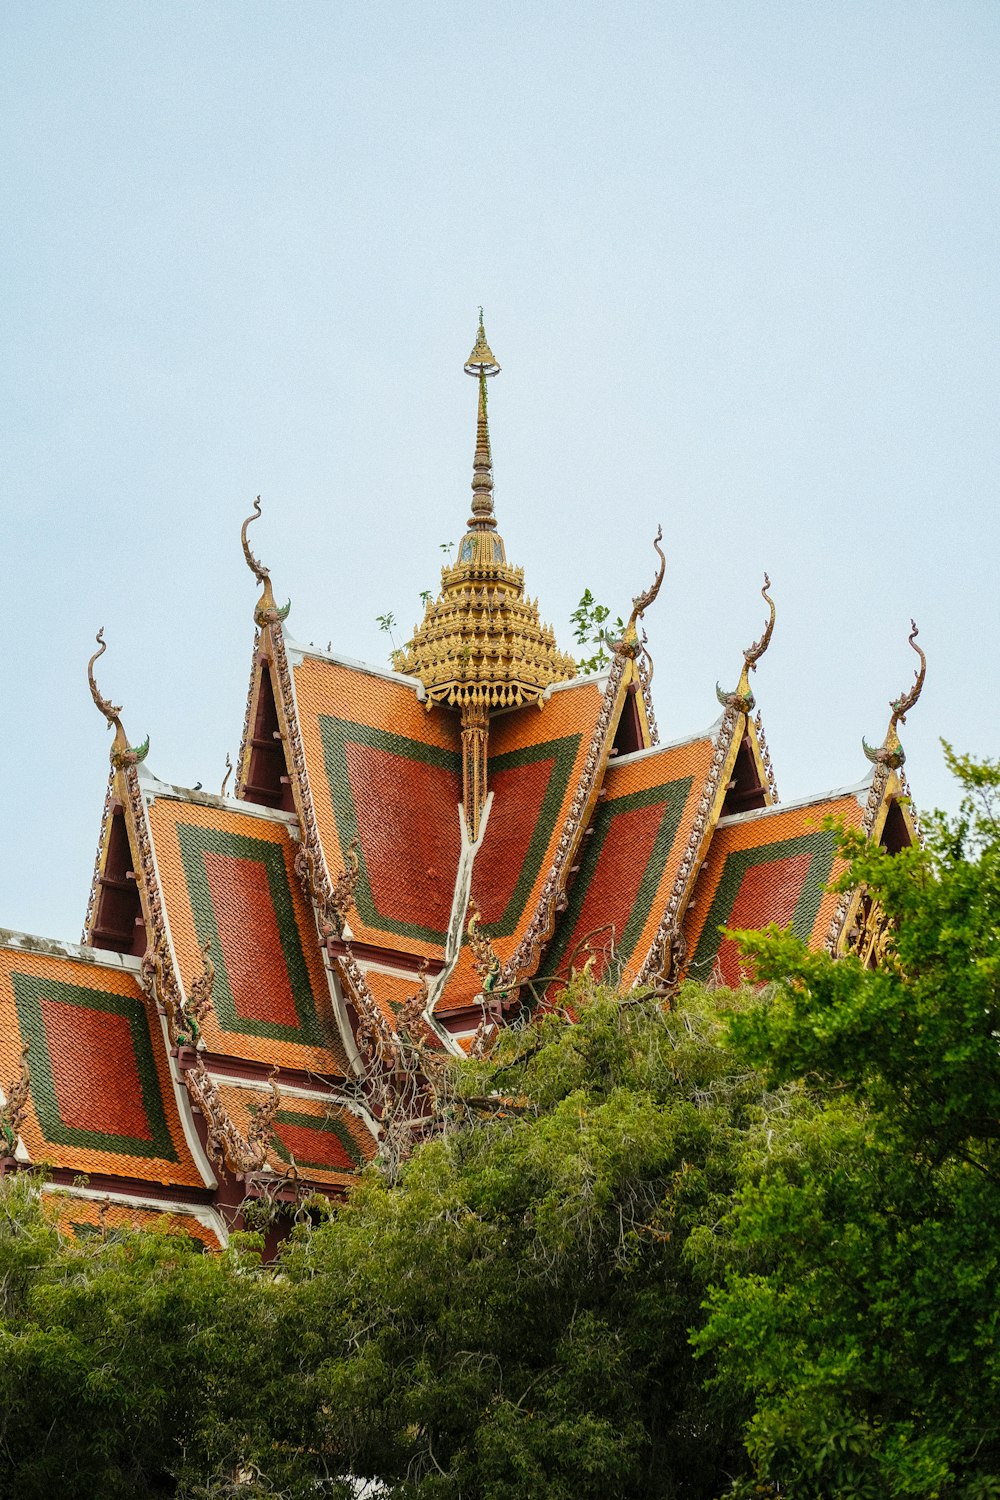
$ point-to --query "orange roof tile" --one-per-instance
(630, 861)
(327, 1143)
(537, 762)
(229, 876)
(385, 771)
(102, 1097)
(772, 865)
(78, 1218)
(391, 992)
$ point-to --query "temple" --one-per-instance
(271, 980)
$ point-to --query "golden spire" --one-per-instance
(482, 518)
(481, 361)
(890, 752)
(482, 642)
(482, 646)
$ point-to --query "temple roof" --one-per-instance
(632, 856)
(770, 865)
(227, 878)
(275, 979)
(102, 1095)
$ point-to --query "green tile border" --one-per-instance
(336, 734)
(329, 1124)
(29, 991)
(820, 844)
(195, 842)
(673, 795)
(563, 753)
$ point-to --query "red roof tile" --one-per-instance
(102, 1097)
(229, 877)
(78, 1218)
(384, 770)
(326, 1142)
(768, 866)
(630, 860)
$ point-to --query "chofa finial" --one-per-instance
(753, 654)
(890, 753)
(122, 753)
(629, 644)
(266, 612)
(742, 699)
(901, 706)
(105, 706)
(256, 567)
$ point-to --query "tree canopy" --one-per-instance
(743, 1245)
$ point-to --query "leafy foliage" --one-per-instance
(127, 1361)
(746, 1246)
(511, 1319)
(868, 1344)
(592, 630)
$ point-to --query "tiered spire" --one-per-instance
(482, 646)
(482, 365)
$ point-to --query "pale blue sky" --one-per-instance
(739, 263)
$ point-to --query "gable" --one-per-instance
(101, 1094)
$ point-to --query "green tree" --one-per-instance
(512, 1317)
(131, 1364)
(866, 1336)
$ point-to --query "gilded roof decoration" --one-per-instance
(890, 752)
(481, 641)
(122, 753)
(266, 611)
(741, 698)
(630, 643)
(14, 1107)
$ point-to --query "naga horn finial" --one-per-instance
(890, 753)
(122, 753)
(642, 601)
(741, 698)
(753, 654)
(107, 708)
(256, 567)
(266, 612)
(901, 706)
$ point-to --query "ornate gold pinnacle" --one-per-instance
(481, 646)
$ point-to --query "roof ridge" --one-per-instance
(168, 791)
(300, 650)
(859, 791)
(688, 739)
(102, 958)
